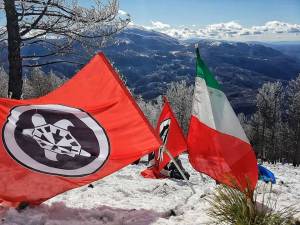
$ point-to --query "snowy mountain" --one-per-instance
(151, 60)
(289, 48)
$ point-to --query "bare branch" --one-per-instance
(39, 56)
(36, 21)
(57, 25)
(22, 11)
(63, 48)
(3, 40)
(38, 34)
(3, 31)
(53, 62)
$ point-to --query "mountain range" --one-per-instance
(150, 60)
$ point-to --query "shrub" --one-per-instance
(232, 207)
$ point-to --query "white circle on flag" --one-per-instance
(56, 139)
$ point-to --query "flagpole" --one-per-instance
(178, 168)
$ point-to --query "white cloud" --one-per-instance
(278, 27)
(231, 30)
(122, 13)
(159, 25)
(132, 24)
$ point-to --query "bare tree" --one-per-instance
(180, 95)
(39, 84)
(151, 109)
(255, 133)
(269, 105)
(293, 99)
(39, 22)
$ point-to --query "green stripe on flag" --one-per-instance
(203, 72)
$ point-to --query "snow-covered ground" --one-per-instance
(127, 198)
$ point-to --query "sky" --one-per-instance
(205, 12)
(257, 20)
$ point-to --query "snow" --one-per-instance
(288, 185)
(216, 43)
(144, 55)
(127, 198)
(174, 52)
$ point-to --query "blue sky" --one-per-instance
(205, 12)
(243, 20)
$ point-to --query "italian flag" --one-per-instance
(217, 143)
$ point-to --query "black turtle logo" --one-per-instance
(56, 139)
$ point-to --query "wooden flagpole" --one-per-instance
(179, 169)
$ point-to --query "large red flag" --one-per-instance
(83, 131)
(172, 136)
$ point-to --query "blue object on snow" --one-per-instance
(266, 175)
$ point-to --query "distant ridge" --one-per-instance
(151, 60)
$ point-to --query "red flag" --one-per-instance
(83, 131)
(171, 134)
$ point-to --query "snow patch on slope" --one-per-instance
(127, 198)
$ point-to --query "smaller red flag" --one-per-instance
(173, 138)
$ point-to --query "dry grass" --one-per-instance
(232, 207)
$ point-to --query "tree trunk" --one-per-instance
(14, 50)
(296, 156)
(263, 151)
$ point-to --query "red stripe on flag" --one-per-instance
(221, 156)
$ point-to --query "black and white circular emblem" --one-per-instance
(56, 139)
